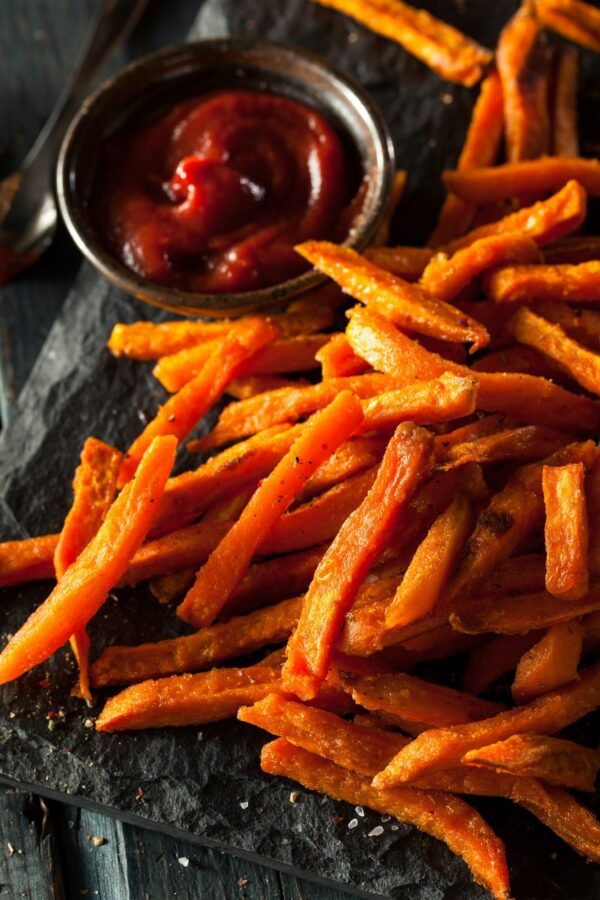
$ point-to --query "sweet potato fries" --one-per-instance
(411, 539)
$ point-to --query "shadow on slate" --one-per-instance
(194, 781)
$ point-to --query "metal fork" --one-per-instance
(28, 213)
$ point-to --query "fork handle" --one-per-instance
(113, 21)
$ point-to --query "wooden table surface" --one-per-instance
(51, 850)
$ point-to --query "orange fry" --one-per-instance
(274, 580)
(94, 489)
(566, 531)
(573, 19)
(382, 235)
(406, 462)
(445, 747)
(406, 262)
(351, 457)
(439, 814)
(522, 60)
(84, 586)
(581, 324)
(287, 405)
(489, 662)
(416, 700)
(226, 566)
(292, 354)
(431, 565)
(574, 249)
(184, 410)
(522, 613)
(581, 364)
(242, 388)
(565, 136)
(530, 442)
(553, 760)
(445, 277)
(519, 358)
(544, 222)
(549, 664)
(170, 587)
(30, 559)
(187, 699)
(239, 636)
(479, 149)
(338, 359)
(592, 492)
(450, 53)
(534, 177)
(566, 283)
(405, 304)
(423, 402)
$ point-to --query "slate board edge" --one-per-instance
(183, 835)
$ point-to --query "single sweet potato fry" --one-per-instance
(382, 235)
(190, 494)
(550, 663)
(480, 148)
(30, 559)
(544, 222)
(187, 699)
(338, 359)
(523, 66)
(422, 402)
(242, 388)
(274, 580)
(510, 516)
(445, 747)
(534, 177)
(443, 48)
(581, 364)
(527, 443)
(403, 303)
(171, 587)
(431, 565)
(183, 410)
(520, 614)
(573, 19)
(287, 405)
(227, 509)
(490, 661)
(406, 463)
(553, 806)
(581, 324)
(84, 586)
(439, 814)
(555, 761)
(94, 488)
(445, 277)
(565, 132)
(239, 636)
(416, 700)
(315, 311)
(592, 493)
(291, 354)
(519, 358)
(525, 284)
(227, 564)
(406, 262)
(566, 531)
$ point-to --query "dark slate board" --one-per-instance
(193, 781)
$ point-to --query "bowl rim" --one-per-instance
(203, 304)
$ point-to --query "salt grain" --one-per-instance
(352, 823)
(183, 861)
(360, 811)
(244, 804)
(294, 797)
(375, 832)
(394, 827)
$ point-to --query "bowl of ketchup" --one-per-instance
(189, 178)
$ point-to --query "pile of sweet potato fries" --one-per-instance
(435, 495)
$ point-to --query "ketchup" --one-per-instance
(213, 195)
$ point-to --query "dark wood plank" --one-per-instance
(29, 860)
